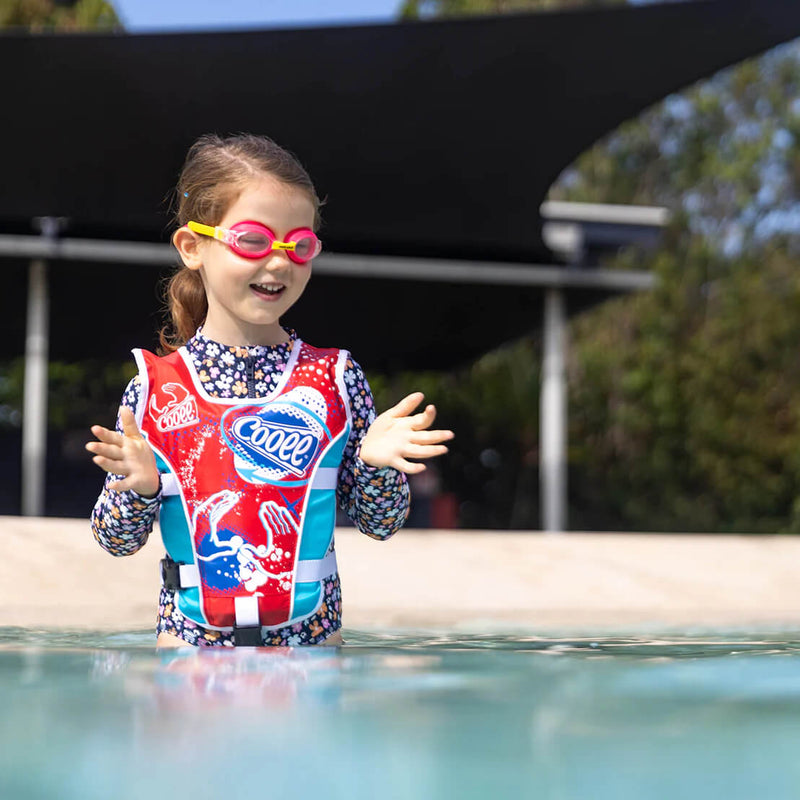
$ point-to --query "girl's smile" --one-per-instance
(269, 292)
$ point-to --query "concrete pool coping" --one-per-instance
(53, 574)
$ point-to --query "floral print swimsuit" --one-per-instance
(376, 500)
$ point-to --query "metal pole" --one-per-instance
(34, 407)
(553, 415)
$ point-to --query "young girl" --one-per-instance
(243, 438)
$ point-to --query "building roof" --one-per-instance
(436, 139)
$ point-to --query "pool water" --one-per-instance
(402, 715)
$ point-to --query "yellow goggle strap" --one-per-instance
(206, 230)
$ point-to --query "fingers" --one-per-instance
(426, 451)
(432, 437)
(110, 464)
(106, 435)
(409, 467)
(423, 420)
(109, 452)
(128, 420)
(407, 404)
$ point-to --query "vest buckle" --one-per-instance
(170, 574)
(247, 636)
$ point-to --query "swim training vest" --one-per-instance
(248, 487)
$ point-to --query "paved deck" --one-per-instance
(53, 574)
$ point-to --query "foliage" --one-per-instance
(79, 393)
(684, 401)
(723, 154)
(61, 15)
(684, 412)
(417, 9)
(493, 406)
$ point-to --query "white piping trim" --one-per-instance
(144, 386)
(341, 365)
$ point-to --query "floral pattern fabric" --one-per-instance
(375, 500)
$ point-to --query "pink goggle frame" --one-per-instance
(253, 240)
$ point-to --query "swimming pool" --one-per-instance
(407, 714)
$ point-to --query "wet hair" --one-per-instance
(216, 171)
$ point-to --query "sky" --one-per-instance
(140, 16)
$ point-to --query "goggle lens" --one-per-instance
(254, 242)
(306, 247)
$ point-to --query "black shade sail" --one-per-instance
(436, 139)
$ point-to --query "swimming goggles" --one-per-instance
(254, 240)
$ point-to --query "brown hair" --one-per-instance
(214, 174)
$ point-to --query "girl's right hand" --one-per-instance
(127, 454)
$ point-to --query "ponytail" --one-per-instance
(187, 306)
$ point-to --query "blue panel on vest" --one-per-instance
(333, 455)
(320, 515)
(320, 519)
(177, 542)
(307, 597)
(175, 530)
(188, 602)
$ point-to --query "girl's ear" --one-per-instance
(188, 246)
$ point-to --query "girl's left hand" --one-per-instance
(395, 436)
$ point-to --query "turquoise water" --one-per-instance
(402, 715)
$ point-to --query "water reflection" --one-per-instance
(239, 679)
(402, 715)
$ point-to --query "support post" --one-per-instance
(34, 406)
(34, 401)
(553, 414)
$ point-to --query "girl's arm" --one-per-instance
(373, 490)
(122, 520)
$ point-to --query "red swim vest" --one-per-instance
(248, 486)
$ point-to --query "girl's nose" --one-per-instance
(278, 260)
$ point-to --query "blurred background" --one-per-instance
(684, 400)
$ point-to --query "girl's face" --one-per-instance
(248, 296)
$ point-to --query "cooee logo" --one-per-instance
(179, 416)
(288, 446)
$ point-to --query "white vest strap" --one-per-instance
(307, 571)
(190, 575)
(169, 484)
(316, 569)
(325, 478)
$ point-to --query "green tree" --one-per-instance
(682, 400)
(418, 9)
(62, 15)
